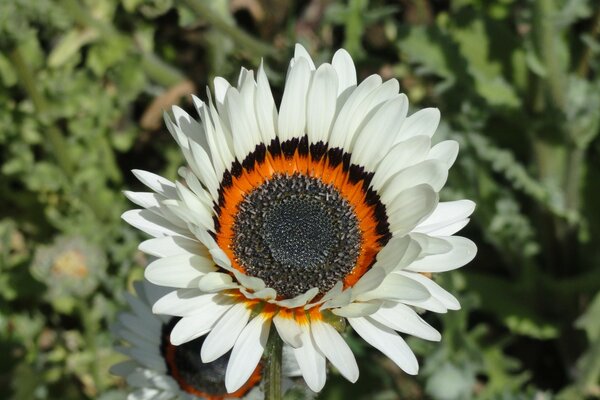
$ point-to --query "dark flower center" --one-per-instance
(295, 233)
(195, 377)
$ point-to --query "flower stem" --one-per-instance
(273, 373)
(90, 333)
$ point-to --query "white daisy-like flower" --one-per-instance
(159, 370)
(322, 211)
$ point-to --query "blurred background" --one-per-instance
(82, 87)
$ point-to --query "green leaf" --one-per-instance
(70, 45)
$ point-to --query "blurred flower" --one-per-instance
(70, 267)
(322, 212)
(157, 369)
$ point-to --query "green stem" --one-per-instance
(546, 37)
(273, 373)
(203, 9)
(90, 332)
(159, 71)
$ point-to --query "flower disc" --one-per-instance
(296, 233)
(300, 218)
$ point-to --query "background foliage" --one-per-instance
(82, 87)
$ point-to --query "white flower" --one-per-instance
(324, 210)
(159, 370)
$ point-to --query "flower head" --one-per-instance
(70, 266)
(321, 210)
(157, 369)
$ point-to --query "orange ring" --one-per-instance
(336, 173)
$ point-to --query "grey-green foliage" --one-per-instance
(82, 87)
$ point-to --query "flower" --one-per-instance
(72, 268)
(323, 211)
(157, 369)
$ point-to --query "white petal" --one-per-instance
(352, 107)
(449, 230)
(200, 212)
(152, 224)
(146, 328)
(375, 138)
(292, 112)
(197, 188)
(311, 361)
(423, 122)
(321, 104)
(143, 394)
(190, 127)
(172, 246)
(123, 368)
(266, 112)
(299, 300)
(221, 258)
(398, 253)
(221, 87)
(387, 91)
(388, 342)
(147, 359)
(430, 172)
(463, 251)
(203, 169)
(446, 214)
(243, 127)
(226, 331)
(410, 207)
(402, 318)
(448, 300)
(445, 151)
(206, 239)
(353, 310)
(344, 67)
(215, 282)
(178, 271)
(268, 294)
(396, 287)
(247, 352)
(400, 156)
(334, 292)
(144, 199)
(155, 182)
(369, 281)
(217, 139)
(333, 346)
(135, 339)
(185, 302)
(198, 324)
(430, 245)
(288, 330)
(140, 308)
(300, 52)
(342, 300)
(431, 304)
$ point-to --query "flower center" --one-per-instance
(295, 233)
(206, 380)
